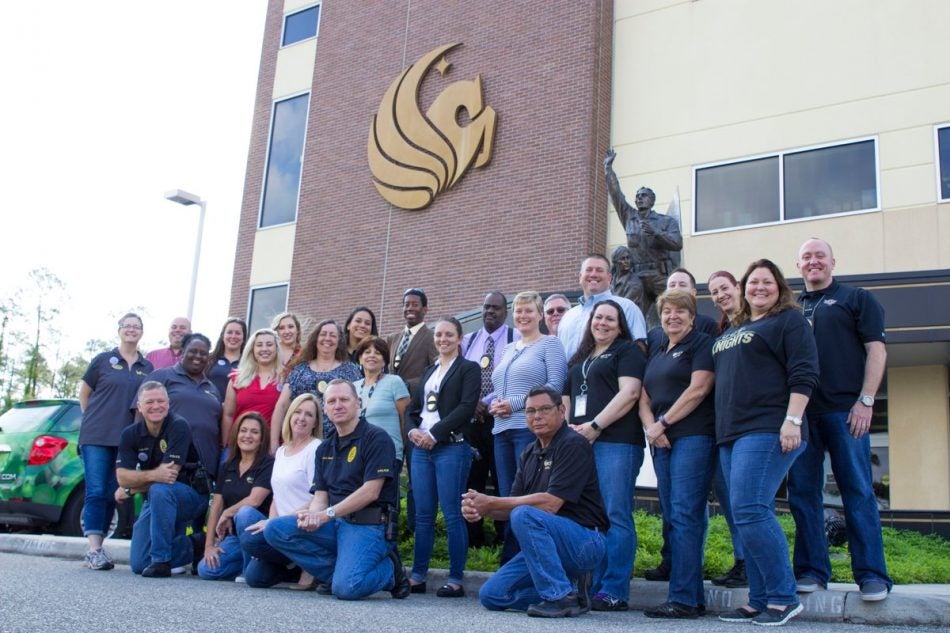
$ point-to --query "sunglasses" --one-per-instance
(553, 311)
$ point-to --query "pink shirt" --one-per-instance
(161, 358)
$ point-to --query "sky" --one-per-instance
(106, 106)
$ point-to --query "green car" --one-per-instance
(41, 473)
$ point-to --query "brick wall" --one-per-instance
(521, 223)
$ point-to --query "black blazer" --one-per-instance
(456, 400)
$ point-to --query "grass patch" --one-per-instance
(912, 558)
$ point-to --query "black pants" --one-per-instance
(482, 475)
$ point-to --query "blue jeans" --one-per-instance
(159, 534)
(722, 496)
(617, 468)
(683, 475)
(851, 464)
(755, 467)
(352, 558)
(440, 474)
(556, 550)
(230, 561)
(508, 446)
(265, 565)
(99, 465)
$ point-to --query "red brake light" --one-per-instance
(45, 448)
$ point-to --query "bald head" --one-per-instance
(816, 263)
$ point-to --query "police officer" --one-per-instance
(156, 456)
(344, 538)
(555, 507)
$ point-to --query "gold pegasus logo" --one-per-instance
(415, 156)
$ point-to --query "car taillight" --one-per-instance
(45, 448)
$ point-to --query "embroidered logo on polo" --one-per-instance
(139, 372)
(547, 464)
(677, 353)
(162, 445)
(350, 456)
(414, 156)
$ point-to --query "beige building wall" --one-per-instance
(293, 75)
(920, 461)
(709, 81)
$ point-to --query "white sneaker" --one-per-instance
(240, 579)
(178, 571)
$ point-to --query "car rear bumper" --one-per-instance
(27, 513)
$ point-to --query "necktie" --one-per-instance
(488, 366)
(403, 346)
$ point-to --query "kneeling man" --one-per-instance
(156, 457)
(345, 538)
(557, 514)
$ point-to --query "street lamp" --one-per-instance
(183, 197)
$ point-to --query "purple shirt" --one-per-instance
(476, 342)
(162, 358)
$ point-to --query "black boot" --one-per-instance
(734, 578)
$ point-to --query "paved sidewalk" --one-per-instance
(908, 605)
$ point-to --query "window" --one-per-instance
(793, 185)
(284, 159)
(301, 25)
(943, 161)
(265, 304)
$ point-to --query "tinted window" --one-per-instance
(266, 303)
(301, 25)
(943, 149)
(28, 419)
(284, 157)
(70, 420)
(830, 180)
(737, 194)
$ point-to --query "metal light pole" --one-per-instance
(183, 197)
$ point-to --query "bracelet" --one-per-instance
(663, 422)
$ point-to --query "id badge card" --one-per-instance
(580, 406)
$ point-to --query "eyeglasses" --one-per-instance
(546, 409)
(553, 311)
(130, 326)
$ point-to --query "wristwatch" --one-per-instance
(331, 513)
(129, 492)
(797, 421)
(663, 422)
(594, 425)
(867, 401)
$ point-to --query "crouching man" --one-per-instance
(557, 514)
(156, 457)
(345, 537)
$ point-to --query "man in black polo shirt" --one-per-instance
(344, 538)
(557, 514)
(849, 332)
(156, 456)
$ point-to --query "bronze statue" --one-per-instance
(654, 240)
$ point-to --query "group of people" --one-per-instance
(306, 442)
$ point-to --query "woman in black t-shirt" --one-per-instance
(244, 480)
(600, 395)
(676, 407)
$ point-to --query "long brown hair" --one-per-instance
(264, 447)
(309, 351)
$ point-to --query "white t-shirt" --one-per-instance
(292, 477)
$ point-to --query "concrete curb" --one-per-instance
(904, 607)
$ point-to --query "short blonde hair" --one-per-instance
(286, 433)
(529, 296)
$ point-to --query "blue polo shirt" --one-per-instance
(113, 384)
(843, 319)
(200, 405)
(669, 373)
(218, 373)
(140, 450)
(345, 464)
